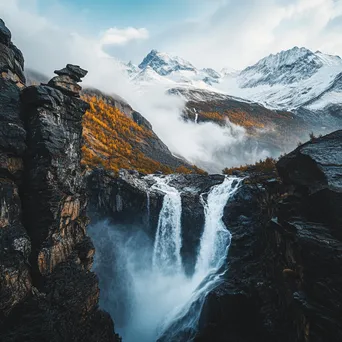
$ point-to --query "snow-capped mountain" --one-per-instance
(289, 80)
(286, 67)
(164, 64)
(163, 69)
(131, 69)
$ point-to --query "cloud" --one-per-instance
(47, 46)
(233, 33)
(220, 33)
(116, 36)
(239, 33)
(206, 145)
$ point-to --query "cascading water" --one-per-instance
(216, 237)
(196, 116)
(215, 242)
(162, 302)
(168, 241)
(148, 204)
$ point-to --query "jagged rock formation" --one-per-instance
(122, 199)
(54, 196)
(315, 169)
(47, 291)
(285, 259)
(15, 279)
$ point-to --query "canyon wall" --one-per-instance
(48, 292)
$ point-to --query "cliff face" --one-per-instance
(15, 244)
(284, 264)
(47, 290)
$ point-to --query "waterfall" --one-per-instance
(168, 241)
(148, 207)
(216, 237)
(213, 251)
(196, 116)
(143, 284)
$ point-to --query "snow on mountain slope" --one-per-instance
(165, 64)
(287, 80)
(331, 96)
(149, 76)
(203, 95)
(285, 67)
(162, 68)
(131, 69)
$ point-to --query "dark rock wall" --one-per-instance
(285, 261)
(54, 192)
(123, 199)
(15, 246)
(47, 291)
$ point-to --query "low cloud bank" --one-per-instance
(47, 47)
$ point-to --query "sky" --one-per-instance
(208, 33)
(98, 34)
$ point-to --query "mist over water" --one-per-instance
(143, 284)
(168, 241)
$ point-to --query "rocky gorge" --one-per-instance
(277, 276)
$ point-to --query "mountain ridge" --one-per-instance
(286, 80)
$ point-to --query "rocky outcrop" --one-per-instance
(48, 292)
(315, 169)
(308, 232)
(67, 79)
(123, 199)
(11, 58)
(15, 246)
(284, 265)
(54, 194)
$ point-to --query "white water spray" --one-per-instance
(147, 279)
(168, 241)
(215, 242)
(148, 205)
(196, 116)
(216, 237)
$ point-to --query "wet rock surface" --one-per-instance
(284, 263)
(47, 291)
(130, 199)
(123, 199)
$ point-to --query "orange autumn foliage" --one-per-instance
(113, 141)
(237, 117)
(266, 165)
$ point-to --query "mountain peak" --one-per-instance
(284, 67)
(287, 57)
(164, 64)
